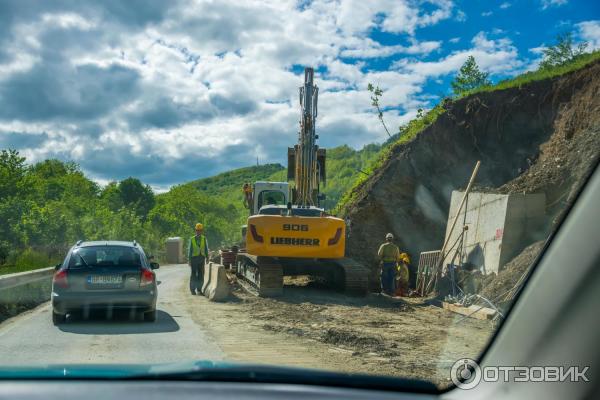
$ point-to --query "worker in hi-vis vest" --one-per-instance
(197, 253)
(388, 254)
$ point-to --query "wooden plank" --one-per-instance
(473, 311)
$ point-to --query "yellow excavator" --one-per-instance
(288, 233)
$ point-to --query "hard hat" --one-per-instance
(404, 258)
(199, 226)
(389, 236)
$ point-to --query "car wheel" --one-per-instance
(57, 319)
(150, 316)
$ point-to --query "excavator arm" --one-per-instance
(306, 162)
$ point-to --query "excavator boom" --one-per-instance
(306, 162)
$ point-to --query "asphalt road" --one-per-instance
(31, 339)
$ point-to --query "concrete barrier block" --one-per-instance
(206, 277)
(218, 285)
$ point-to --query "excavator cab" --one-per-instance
(269, 194)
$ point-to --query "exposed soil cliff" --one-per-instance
(542, 137)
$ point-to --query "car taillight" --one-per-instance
(147, 277)
(336, 238)
(60, 279)
(255, 235)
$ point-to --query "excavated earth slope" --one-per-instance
(542, 137)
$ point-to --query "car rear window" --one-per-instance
(105, 256)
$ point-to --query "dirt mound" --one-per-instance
(540, 137)
(498, 289)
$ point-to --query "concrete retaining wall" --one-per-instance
(499, 227)
(24, 290)
(216, 285)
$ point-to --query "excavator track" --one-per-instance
(263, 274)
(356, 277)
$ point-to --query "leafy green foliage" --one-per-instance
(12, 169)
(562, 52)
(228, 185)
(344, 166)
(134, 194)
(542, 73)
(226, 189)
(46, 207)
(469, 77)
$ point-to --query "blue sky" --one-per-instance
(174, 91)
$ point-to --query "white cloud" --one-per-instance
(67, 21)
(553, 3)
(461, 16)
(403, 17)
(589, 31)
(216, 83)
(367, 48)
(505, 5)
(487, 13)
(494, 56)
(538, 50)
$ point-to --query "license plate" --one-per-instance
(105, 279)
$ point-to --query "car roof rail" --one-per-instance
(78, 242)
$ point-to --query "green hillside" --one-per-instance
(228, 185)
(344, 165)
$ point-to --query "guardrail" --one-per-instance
(24, 290)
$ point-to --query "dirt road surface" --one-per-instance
(307, 327)
(375, 335)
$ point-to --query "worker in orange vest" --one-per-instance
(402, 275)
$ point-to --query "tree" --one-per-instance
(12, 170)
(562, 52)
(377, 93)
(469, 77)
(111, 195)
(137, 195)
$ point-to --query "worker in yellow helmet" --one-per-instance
(197, 253)
(388, 256)
(402, 275)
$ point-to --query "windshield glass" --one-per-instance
(270, 198)
(429, 150)
(105, 256)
